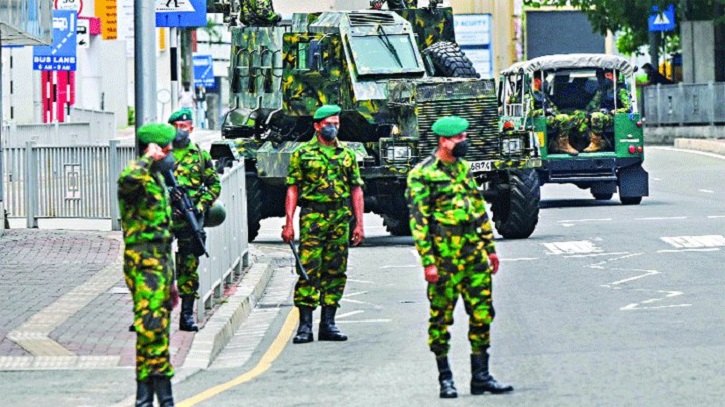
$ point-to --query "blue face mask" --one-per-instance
(329, 132)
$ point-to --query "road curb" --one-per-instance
(225, 321)
(716, 146)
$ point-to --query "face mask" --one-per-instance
(182, 139)
(328, 132)
(165, 164)
(460, 149)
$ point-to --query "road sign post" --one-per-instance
(61, 56)
(203, 71)
(180, 13)
(662, 20)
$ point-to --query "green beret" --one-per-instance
(326, 111)
(159, 133)
(450, 126)
(181, 115)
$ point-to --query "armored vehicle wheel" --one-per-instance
(449, 61)
(397, 226)
(602, 197)
(516, 212)
(631, 200)
(255, 202)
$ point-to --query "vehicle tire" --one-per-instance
(449, 61)
(255, 204)
(631, 200)
(397, 225)
(602, 197)
(516, 212)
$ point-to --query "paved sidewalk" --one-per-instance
(715, 146)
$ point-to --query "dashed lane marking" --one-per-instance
(575, 247)
(695, 242)
(663, 218)
(644, 304)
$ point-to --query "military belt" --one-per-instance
(162, 247)
(324, 206)
(455, 230)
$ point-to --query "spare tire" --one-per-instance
(449, 61)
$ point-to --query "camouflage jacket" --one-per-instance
(447, 195)
(605, 100)
(143, 201)
(323, 173)
(195, 172)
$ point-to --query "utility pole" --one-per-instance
(2, 164)
(145, 62)
(173, 44)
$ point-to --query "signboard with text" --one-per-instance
(106, 10)
(473, 35)
(203, 71)
(180, 13)
(61, 56)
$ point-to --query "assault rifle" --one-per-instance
(181, 201)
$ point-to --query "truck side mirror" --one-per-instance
(314, 55)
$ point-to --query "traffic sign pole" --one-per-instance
(145, 63)
(173, 44)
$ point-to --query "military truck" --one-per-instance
(569, 83)
(393, 72)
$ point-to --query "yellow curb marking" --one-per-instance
(265, 363)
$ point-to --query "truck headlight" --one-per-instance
(512, 146)
(397, 153)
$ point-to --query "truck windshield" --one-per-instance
(389, 54)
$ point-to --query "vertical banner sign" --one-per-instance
(106, 10)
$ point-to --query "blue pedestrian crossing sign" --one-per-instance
(203, 71)
(180, 13)
(662, 20)
(61, 56)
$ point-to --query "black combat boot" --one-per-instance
(481, 379)
(328, 331)
(144, 393)
(162, 387)
(304, 331)
(445, 378)
(186, 322)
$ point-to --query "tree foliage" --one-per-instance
(629, 17)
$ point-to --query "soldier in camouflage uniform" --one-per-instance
(453, 236)
(323, 178)
(147, 266)
(258, 13)
(602, 108)
(195, 172)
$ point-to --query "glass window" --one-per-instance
(378, 54)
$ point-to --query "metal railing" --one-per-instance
(228, 243)
(57, 134)
(685, 104)
(103, 124)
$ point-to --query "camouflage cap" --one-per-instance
(181, 115)
(450, 126)
(158, 133)
(326, 111)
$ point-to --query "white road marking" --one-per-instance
(581, 246)
(707, 191)
(716, 216)
(663, 218)
(360, 281)
(356, 301)
(601, 263)
(585, 220)
(713, 155)
(626, 280)
(695, 242)
(657, 179)
(714, 249)
(594, 255)
(354, 294)
(670, 294)
(347, 314)
(406, 266)
(364, 321)
(520, 259)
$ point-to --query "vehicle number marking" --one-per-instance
(480, 166)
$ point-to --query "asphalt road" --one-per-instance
(605, 305)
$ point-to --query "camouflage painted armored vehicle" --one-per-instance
(587, 123)
(393, 73)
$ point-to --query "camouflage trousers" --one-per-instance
(187, 265)
(324, 241)
(573, 124)
(463, 270)
(601, 121)
(258, 13)
(148, 273)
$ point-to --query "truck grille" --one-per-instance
(482, 114)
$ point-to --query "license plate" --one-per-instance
(481, 166)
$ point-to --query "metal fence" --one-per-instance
(57, 134)
(102, 123)
(685, 104)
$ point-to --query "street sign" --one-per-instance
(107, 11)
(76, 5)
(203, 71)
(662, 21)
(473, 34)
(61, 56)
(83, 34)
(180, 13)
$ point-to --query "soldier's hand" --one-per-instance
(288, 233)
(493, 259)
(358, 235)
(155, 152)
(431, 273)
(174, 294)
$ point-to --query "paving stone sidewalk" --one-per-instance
(64, 304)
